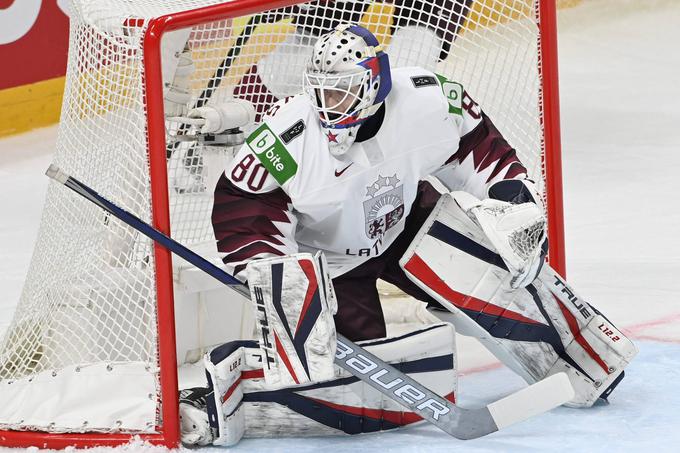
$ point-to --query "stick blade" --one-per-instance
(540, 397)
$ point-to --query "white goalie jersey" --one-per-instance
(285, 193)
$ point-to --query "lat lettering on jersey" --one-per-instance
(272, 153)
(454, 94)
(366, 252)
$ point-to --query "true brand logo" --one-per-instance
(580, 306)
(266, 344)
(272, 153)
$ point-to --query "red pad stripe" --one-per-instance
(576, 331)
(424, 273)
(284, 357)
(252, 374)
(247, 374)
(396, 417)
(308, 268)
(231, 389)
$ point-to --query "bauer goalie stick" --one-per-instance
(459, 422)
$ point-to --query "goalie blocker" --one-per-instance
(294, 305)
(537, 330)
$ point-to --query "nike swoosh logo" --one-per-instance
(338, 173)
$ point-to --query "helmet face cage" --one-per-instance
(347, 80)
(339, 98)
(347, 76)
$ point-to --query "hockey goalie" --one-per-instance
(393, 174)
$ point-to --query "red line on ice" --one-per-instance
(657, 322)
(635, 330)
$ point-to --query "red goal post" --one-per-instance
(142, 273)
(552, 144)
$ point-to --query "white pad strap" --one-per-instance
(294, 305)
(537, 331)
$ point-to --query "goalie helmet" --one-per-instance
(347, 80)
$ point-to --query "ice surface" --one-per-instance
(620, 100)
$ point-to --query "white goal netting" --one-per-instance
(90, 299)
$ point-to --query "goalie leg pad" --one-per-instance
(294, 306)
(243, 404)
(538, 330)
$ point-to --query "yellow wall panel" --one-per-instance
(29, 106)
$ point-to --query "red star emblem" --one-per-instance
(332, 137)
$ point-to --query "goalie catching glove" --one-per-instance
(513, 220)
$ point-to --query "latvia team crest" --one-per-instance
(385, 207)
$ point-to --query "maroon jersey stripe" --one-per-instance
(260, 224)
(233, 242)
(488, 149)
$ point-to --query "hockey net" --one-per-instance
(92, 340)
